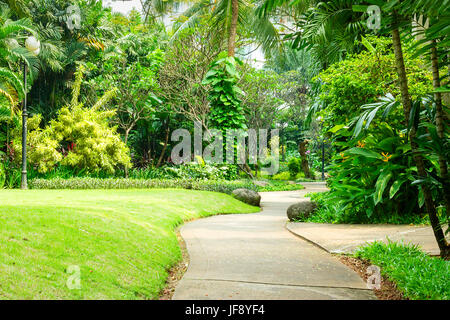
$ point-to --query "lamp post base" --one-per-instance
(24, 183)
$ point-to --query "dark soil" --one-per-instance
(176, 272)
(388, 289)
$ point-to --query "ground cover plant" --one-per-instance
(416, 274)
(123, 241)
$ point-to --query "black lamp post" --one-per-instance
(319, 119)
(33, 45)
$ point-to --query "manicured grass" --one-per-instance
(122, 240)
(416, 274)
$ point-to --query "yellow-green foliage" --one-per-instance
(79, 137)
(367, 76)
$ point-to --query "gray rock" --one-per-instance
(301, 210)
(248, 196)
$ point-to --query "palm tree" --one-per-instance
(328, 16)
(12, 54)
(234, 15)
(328, 28)
(228, 16)
(62, 48)
(433, 43)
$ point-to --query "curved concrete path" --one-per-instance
(253, 256)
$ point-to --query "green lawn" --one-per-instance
(122, 240)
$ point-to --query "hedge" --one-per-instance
(223, 186)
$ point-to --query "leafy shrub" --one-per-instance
(198, 171)
(12, 174)
(111, 183)
(416, 274)
(364, 77)
(79, 138)
(331, 209)
(294, 166)
(370, 180)
(187, 171)
(223, 186)
(282, 176)
(2, 175)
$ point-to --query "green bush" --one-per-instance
(294, 166)
(223, 186)
(282, 176)
(187, 171)
(364, 77)
(2, 175)
(331, 209)
(121, 183)
(12, 174)
(79, 137)
(199, 171)
(373, 179)
(416, 274)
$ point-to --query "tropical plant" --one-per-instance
(294, 166)
(330, 29)
(79, 137)
(397, 16)
(235, 21)
(226, 110)
(12, 55)
(394, 24)
(362, 79)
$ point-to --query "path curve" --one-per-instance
(253, 256)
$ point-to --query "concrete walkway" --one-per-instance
(346, 238)
(253, 256)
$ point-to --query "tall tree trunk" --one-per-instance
(418, 159)
(233, 27)
(127, 132)
(166, 140)
(305, 166)
(440, 125)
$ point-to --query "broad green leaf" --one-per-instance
(364, 152)
(380, 185)
(370, 117)
(364, 41)
(421, 198)
(336, 128)
(359, 125)
(359, 8)
(395, 187)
